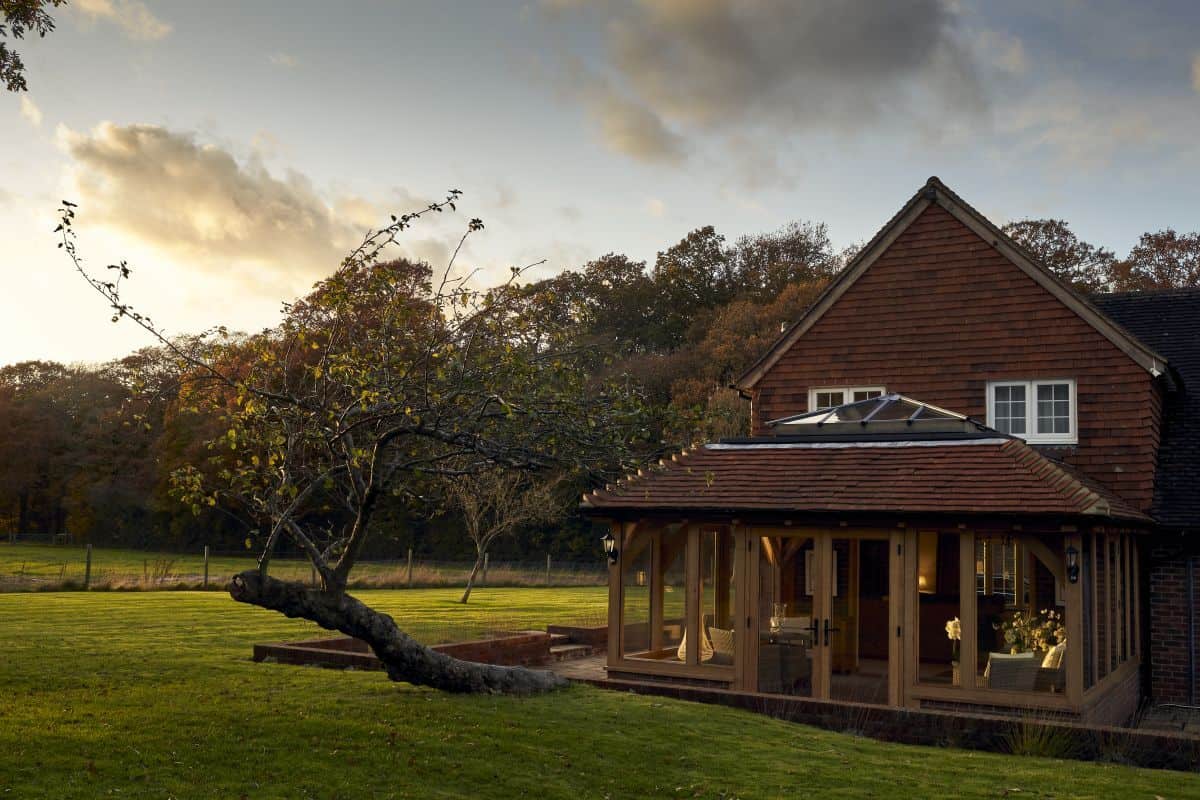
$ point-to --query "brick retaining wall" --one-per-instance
(1157, 749)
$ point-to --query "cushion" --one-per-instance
(1054, 656)
(722, 641)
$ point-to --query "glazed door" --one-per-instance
(858, 630)
(827, 614)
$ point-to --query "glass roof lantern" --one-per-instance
(888, 414)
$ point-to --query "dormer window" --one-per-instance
(832, 397)
(1040, 412)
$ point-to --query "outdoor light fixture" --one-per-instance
(610, 547)
(1072, 564)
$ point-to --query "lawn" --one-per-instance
(40, 566)
(152, 694)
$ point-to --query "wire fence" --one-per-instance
(42, 564)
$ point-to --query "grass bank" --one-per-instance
(154, 695)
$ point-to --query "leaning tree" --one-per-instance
(383, 380)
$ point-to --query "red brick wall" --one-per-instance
(1172, 679)
(941, 313)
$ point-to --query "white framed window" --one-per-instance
(1040, 412)
(831, 396)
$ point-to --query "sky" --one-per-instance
(231, 152)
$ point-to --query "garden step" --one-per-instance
(566, 652)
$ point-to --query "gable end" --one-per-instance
(934, 191)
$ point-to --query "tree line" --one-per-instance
(91, 450)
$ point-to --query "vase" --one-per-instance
(954, 680)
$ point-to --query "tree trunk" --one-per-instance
(471, 578)
(403, 658)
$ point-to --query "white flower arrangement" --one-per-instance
(1033, 631)
(954, 630)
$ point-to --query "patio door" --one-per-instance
(827, 614)
(858, 630)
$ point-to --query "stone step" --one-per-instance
(567, 652)
(555, 638)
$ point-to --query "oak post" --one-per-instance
(968, 660)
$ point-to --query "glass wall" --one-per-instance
(939, 625)
(661, 616)
(635, 595)
(716, 595)
(1020, 613)
(670, 592)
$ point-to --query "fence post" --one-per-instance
(483, 581)
(87, 569)
(410, 567)
(547, 569)
(205, 566)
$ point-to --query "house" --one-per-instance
(966, 487)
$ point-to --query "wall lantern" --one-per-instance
(1072, 564)
(610, 547)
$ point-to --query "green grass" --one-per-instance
(153, 695)
(35, 566)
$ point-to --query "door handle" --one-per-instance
(829, 629)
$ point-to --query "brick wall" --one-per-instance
(1117, 702)
(1172, 676)
(941, 313)
(943, 728)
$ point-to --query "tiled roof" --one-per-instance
(975, 476)
(1169, 322)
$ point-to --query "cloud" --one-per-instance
(655, 207)
(676, 69)
(131, 16)
(283, 60)
(228, 218)
(1196, 72)
(30, 111)
(1085, 127)
(633, 129)
(1002, 51)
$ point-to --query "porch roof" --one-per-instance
(980, 475)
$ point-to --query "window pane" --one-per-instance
(635, 596)
(716, 595)
(670, 585)
(1021, 630)
(829, 399)
(939, 629)
(1053, 408)
(866, 394)
(1010, 409)
(786, 585)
